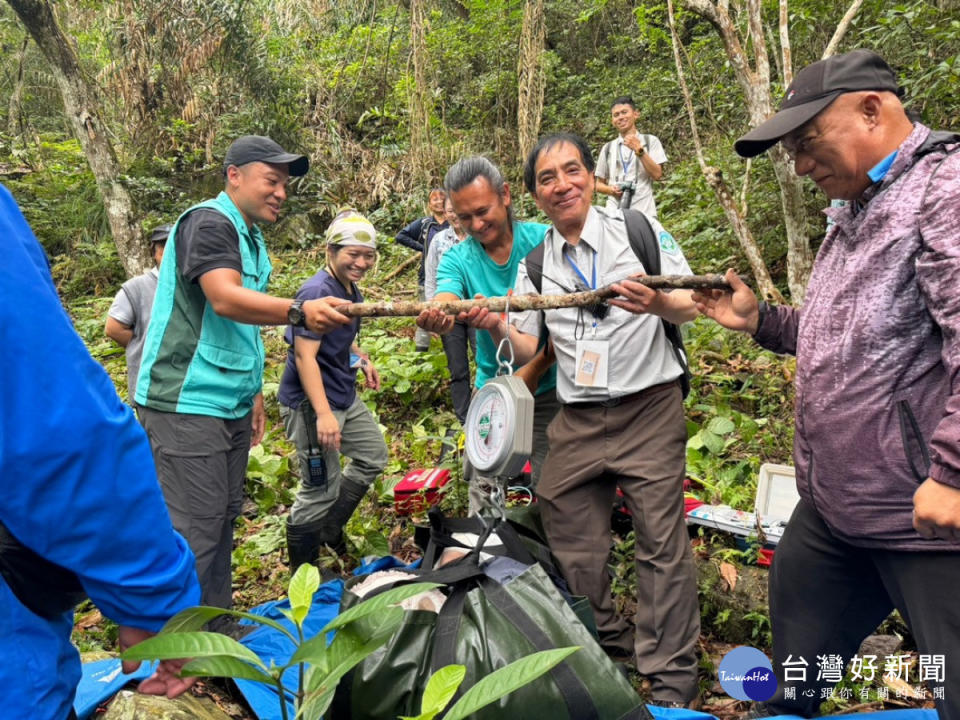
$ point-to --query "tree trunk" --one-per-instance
(753, 76)
(799, 252)
(83, 110)
(419, 95)
(15, 111)
(716, 182)
(530, 76)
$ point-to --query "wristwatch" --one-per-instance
(641, 151)
(295, 315)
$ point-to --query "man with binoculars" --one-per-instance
(628, 164)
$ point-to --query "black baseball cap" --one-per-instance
(813, 89)
(160, 233)
(257, 148)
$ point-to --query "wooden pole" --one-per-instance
(520, 303)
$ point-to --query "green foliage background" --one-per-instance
(179, 79)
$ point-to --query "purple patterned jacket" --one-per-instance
(878, 353)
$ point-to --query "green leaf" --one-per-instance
(402, 386)
(721, 426)
(713, 442)
(195, 618)
(303, 585)
(222, 666)
(345, 652)
(266, 541)
(348, 641)
(171, 646)
(377, 542)
(377, 603)
(316, 705)
(507, 679)
(440, 689)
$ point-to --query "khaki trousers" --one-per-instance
(640, 446)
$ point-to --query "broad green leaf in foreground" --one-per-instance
(303, 585)
(222, 666)
(377, 603)
(345, 652)
(507, 679)
(193, 619)
(440, 689)
(191, 645)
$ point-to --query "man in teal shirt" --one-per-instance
(486, 264)
(199, 387)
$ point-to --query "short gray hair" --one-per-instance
(465, 171)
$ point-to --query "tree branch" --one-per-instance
(715, 180)
(785, 52)
(842, 28)
(521, 303)
(401, 267)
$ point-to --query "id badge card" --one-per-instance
(592, 361)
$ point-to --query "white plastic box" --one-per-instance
(776, 498)
(774, 503)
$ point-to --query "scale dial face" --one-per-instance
(491, 424)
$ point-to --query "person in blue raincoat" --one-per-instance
(81, 512)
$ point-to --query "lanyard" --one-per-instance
(625, 163)
(592, 285)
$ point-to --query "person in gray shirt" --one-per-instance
(129, 314)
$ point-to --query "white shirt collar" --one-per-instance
(589, 234)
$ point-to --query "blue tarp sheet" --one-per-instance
(103, 679)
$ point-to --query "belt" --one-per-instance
(621, 399)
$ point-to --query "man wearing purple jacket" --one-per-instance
(877, 441)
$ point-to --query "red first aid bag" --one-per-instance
(418, 490)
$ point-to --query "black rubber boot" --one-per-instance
(351, 493)
(305, 540)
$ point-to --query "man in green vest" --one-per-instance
(199, 387)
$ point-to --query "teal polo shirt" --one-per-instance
(466, 270)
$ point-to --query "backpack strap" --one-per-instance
(646, 247)
(425, 238)
(534, 263)
(936, 140)
(605, 150)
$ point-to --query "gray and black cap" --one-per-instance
(258, 148)
(813, 89)
(160, 233)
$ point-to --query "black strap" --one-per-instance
(442, 529)
(447, 629)
(646, 247)
(534, 263)
(575, 694)
(936, 140)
